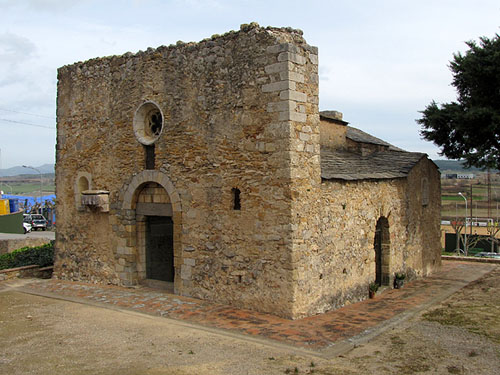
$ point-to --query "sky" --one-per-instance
(380, 62)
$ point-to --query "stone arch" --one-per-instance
(382, 247)
(144, 177)
(130, 265)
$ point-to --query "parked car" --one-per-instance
(27, 227)
(37, 221)
(488, 255)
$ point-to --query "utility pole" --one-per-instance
(489, 194)
(35, 169)
(465, 232)
(1, 174)
(470, 209)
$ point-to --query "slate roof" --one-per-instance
(358, 135)
(350, 166)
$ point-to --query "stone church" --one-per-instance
(207, 168)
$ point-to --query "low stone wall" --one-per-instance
(8, 246)
(471, 259)
(26, 271)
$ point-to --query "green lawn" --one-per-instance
(28, 189)
(452, 198)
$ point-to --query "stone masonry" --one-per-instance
(223, 139)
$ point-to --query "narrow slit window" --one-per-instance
(150, 156)
(236, 199)
(425, 192)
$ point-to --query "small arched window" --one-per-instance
(236, 198)
(83, 182)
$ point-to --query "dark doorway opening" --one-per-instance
(382, 247)
(378, 256)
(160, 248)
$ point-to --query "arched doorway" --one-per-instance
(382, 246)
(150, 203)
(155, 233)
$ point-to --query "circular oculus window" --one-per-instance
(148, 123)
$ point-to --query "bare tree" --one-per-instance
(457, 227)
(493, 229)
(471, 241)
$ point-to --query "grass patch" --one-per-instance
(449, 317)
(452, 198)
(449, 253)
(475, 308)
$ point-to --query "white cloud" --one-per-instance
(201, 5)
(41, 5)
(380, 62)
(14, 48)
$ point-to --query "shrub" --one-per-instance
(400, 276)
(373, 287)
(27, 256)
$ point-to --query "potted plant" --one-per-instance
(399, 280)
(372, 289)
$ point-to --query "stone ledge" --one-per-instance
(16, 269)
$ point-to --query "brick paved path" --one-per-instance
(316, 332)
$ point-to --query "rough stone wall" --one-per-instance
(424, 229)
(332, 134)
(335, 255)
(230, 105)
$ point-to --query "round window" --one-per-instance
(148, 123)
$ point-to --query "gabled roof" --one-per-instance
(358, 135)
(350, 166)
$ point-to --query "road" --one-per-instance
(35, 234)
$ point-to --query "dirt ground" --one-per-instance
(39, 335)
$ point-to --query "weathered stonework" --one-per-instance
(222, 138)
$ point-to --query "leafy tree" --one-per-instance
(470, 127)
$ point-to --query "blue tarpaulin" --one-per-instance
(30, 200)
(27, 203)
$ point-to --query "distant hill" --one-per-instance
(16, 171)
(456, 166)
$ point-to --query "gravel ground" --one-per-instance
(40, 335)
